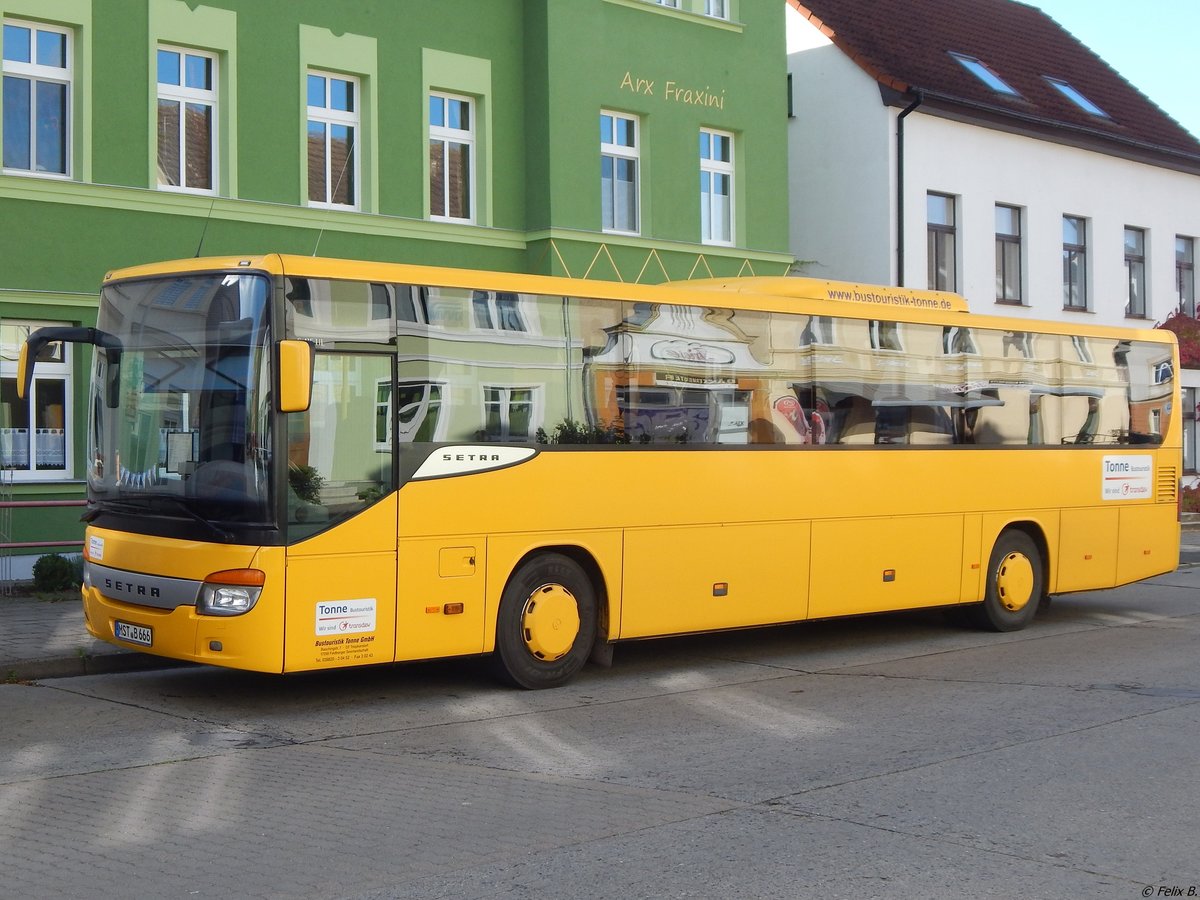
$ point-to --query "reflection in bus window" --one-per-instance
(337, 463)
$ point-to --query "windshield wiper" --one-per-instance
(125, 506)
(195, 516)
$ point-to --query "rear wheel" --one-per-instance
(547, 622)
(1016, 584)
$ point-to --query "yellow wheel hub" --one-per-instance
(550, 622)
(1014, 581)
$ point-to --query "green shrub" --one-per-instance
(53, 573)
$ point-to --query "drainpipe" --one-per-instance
(920, 98)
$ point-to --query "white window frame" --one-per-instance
(1021, 341)
(446, 135)
(618, 152)
(330, 117)
(957, 340)
(35, 73)
(427, 402)
(885, 331)
(49, 370)
(184, 95)
(1077, 250)
(938, 233)
(1006, 242)
(494, 316)
(717, 9)
(1083, 350)
(1185, 274)
(821, 331)
(505, 406)
(716, 168)
(1137, 304)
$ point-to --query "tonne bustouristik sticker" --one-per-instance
(1128, 478)
(345, 629)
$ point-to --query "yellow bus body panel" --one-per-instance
(249, 641)
(351, 566)
(794, 534)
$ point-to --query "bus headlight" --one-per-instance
(230, 593)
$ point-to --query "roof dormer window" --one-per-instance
(986, 75)
(1075, 97)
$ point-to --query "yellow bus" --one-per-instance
(298, 463)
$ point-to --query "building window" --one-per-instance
(451, 158)
(718, 9)
(716, 187)
(1135, 272)
(885, 335)
(1008, 255)
(509, 413)
(35, 440)
(1083, 350)
(981, 71)
(674, 4)
(1185, 275)
(1072, 94)
(942, 273)
(1074, 254)
(619, 156)
(37, 98)
(187, 105)
(818, 331)
(1189, 429)
(497, 311)
(956, 340)
(1019, 342)
(333, 125)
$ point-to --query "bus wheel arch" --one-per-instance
(548, 618)
(1015, 580)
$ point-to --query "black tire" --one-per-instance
(1016, 584)
(546, 624)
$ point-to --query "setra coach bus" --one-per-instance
(297, 463)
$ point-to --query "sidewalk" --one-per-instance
(47, 639)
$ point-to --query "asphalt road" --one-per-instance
(895, 756)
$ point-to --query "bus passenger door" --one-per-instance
(341, 518)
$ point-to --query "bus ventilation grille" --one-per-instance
(1168, 484)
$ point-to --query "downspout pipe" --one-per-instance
(919, 98)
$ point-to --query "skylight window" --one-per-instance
(986, 75)
(1077, 98)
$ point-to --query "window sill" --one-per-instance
(194, 192)
(451, 220)
(28, 173)
(1019, 304)
(1076, 309)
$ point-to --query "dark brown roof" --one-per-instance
(906, 44)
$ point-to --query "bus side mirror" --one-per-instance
(295, 375)
(37, 341)
(24, 372)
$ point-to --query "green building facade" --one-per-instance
(632, 140)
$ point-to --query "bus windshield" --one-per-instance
(180, 422)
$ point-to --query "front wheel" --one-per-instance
(1016, 584)
(547, 622)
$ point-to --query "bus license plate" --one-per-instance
(135, 634)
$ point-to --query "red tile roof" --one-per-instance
(906, 44)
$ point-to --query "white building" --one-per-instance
(976, 146)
